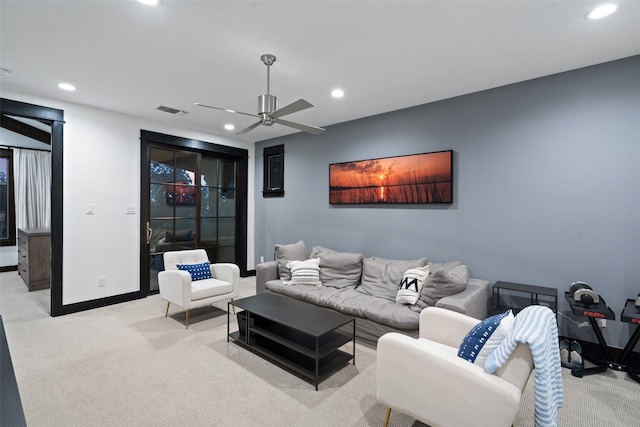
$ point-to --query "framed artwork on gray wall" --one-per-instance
(412, 179)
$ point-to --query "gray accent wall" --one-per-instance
(546, 187)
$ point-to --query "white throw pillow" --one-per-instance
(304, 272)
(411, 285)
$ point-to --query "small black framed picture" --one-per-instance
(273, 166)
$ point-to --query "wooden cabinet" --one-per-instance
(34, 257)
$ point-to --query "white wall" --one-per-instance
(102, 168)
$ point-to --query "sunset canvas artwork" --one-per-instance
(413, 179)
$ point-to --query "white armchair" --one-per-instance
(425, 378)
(177, 287)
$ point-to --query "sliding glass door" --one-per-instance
(193, 201)
(172, 205)
(218, 208)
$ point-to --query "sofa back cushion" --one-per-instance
(381, 277)
(318, 250)
(340, 269)
(291, 252)
(444, 280)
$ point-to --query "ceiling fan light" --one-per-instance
(337, 93)
(602, 11)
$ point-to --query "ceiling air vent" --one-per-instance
(172, 110)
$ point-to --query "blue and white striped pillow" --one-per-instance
(198, 271)
(304, 272)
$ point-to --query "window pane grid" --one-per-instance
(194, 194)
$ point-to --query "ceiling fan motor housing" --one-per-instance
(266, 106)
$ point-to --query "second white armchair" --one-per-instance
(425, 378)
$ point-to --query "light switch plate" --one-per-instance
(131, 209)
(90, 209)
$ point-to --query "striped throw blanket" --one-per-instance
(536, 326)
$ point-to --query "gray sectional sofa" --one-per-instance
(366, 288)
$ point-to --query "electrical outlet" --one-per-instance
(102, 281)
(261, 259)
(131, 209)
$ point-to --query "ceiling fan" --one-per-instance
(267, 112)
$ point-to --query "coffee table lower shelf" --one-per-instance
(293, 360)
(301, 338)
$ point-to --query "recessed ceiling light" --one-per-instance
(66, 86)
(149, 2)
(602, 11)
(337, 93)
(229, 126)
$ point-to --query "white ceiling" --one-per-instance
(386, 55)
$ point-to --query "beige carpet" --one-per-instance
(127, 365)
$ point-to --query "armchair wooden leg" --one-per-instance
(386, 418)
(186, 319)
(167, 310)
(233, 307)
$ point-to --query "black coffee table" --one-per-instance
(299, 337)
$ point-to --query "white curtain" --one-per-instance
(32, 187)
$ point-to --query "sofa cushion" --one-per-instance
(411, 285)
(305, 272)
(339, 269)
(318, 295)
(291, 252)
(351, 302)
(485, 337)
(379, 310)
(198, 271)
(380, 277)
(447, 279)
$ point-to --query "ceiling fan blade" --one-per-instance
(248, 128)
(298, 105)
(225, 109)
(306, 128)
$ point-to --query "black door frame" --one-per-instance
(240, 154)
(56, 118)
